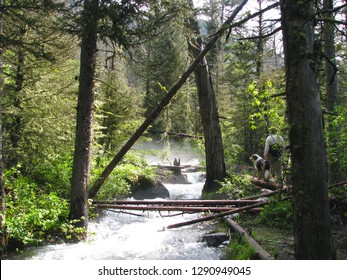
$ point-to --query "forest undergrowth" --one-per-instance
(272, 228)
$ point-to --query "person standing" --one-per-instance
(274, 145)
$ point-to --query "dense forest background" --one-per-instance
(142, 50)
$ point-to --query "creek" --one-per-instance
(122, 236)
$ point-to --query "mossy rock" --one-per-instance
(148, 188)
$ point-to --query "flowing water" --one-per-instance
(121, 236)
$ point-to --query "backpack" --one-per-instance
(275, 150)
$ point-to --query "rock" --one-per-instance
(215, 239)
(14, 245)
(172, 177)
(146, 188)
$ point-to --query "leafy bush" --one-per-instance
(31, 215)
(237, 186)
(278, 214)
(120, 180)
(54, 174)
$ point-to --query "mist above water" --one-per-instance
(165, 152)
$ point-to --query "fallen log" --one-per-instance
(165, 208)
(338, 185)
(178, 134)
(182, 210)
(262, 254)
(214, 216)
(254, 211)
(265, 184)
(273, 193)
(186, 202)
(171, 167)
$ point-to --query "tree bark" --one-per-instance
(165, 101)
(312, 232)
(2, 184)
(214, 152)
(83, 144)
(335, 173)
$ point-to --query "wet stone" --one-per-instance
(215, 239)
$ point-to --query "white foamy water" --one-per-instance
(120, 236)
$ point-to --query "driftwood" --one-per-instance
(262, 254)
(214, 216)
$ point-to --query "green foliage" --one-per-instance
(237, 186)
(31, 215)
(250, 103)
(117, 108)
(120, 180)
(39, 119)
(337, 138)
(163, 63)
(53, 174)
(278, 214)
(240, 250)
(268, 111)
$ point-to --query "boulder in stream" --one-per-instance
(147, 188)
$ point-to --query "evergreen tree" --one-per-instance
(312, 229)
(214, 152)
(2, 184)
(84, 121)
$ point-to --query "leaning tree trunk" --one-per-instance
(312, 232)
(83, 145)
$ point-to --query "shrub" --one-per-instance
(52, 174)
(278, 214)
(120, 180)
(237, 186)
(31, 215)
